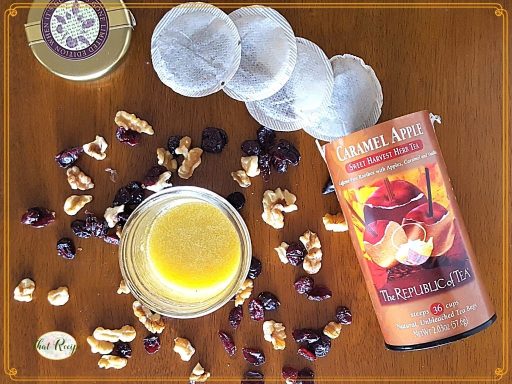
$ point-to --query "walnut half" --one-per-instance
(241, 178)
(96, 149)
(110, 361)
(313, 260)
(198, 375)
(332, 330)
(244, 292)
(99, 346)
(184, 348)
(75, 203)
(79, 180)
(275, 203)
(24, 290)
(275, 333)
(59, 296)
(130, 121)
(152, 321)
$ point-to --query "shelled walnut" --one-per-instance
(152, 321)
(130, 121)
(275, 333)
(190, 163)
(281, 252)
(110, 361)
(164, 181)
(96, 149)
(75, 203)
(123, 288)
(185, 143)
(24, 290)
(126, 334)
(184, 348)
(165, 158)
(100, 346)
(78, 179)
(59, 296)
(332, 330)
(241, 178)
(198, 375)
(335, 223)
(111, 215)
(244, 292)
(313, 259)
(275, 203)
(250, 165)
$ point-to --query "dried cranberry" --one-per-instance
(295, 253)
(305, 336)
(269, 301)
(253, 377)
(256, 310)
(38, 217)
(235, 317)
(128, 136)
(290, 374)
(306, 376)
(68, 157)
(66, 248)
(306, 353)
(254, 269)
(322, 347)
(279, 165)
(152, 343)
(80, 229)
(173, 143)
(111, 238)
(251, 148)
(131, 194)
(153, 174)
(236, 199)
(304, 284)
(284, 151)
(213, 140)
(254, 356)
(123, 217)
(343, 315)
(319, 293)
(227, 343)
(328, 187)
(264, 165)
(96, 226)
(266, 137)
(122, 349)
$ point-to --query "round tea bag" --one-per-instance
(356, 100)
(302, 100)
(195, 49)
(269, 53)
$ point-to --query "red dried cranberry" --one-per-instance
(305, 336)
(264, 165)
(304, 284)
(266, 137)
(128, 136)
(269, 301)
(173, 143)
(319, 293)
(256, 310)
(236, 199)
(152, 343)
(66, 248)
(295, 253)
(254, 356)
(235, 317)
(254, 269)
(153, 174)
(38, 217)
(306, 353)
(343, 315)
(284, 151)
(251, 148)
(253, 377)
(131, 194)
(122, 349)
(96, 226)
(111, 238)
(213, 140)
(328, 187)
(306, 376)
(322, 347)
(80, 229)
(290, 374)
(68, 157)
(279, 165)
(227, 343)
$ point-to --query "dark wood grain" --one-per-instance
(445, 60)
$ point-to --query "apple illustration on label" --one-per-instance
(434, 222)
(392, 201)
(381, 240)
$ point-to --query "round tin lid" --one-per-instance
(79, 39)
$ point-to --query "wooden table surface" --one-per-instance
(447, 60)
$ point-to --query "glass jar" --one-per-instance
(139, 273)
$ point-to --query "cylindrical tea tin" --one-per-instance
(405, 224)
(79, 39)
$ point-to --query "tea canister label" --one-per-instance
(56, 345)
(392, 184)
(75, 29)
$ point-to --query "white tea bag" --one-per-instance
(303, 99)
(356, 100)
(269, 53)
(195, 49)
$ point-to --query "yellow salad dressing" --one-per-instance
(195, 250)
